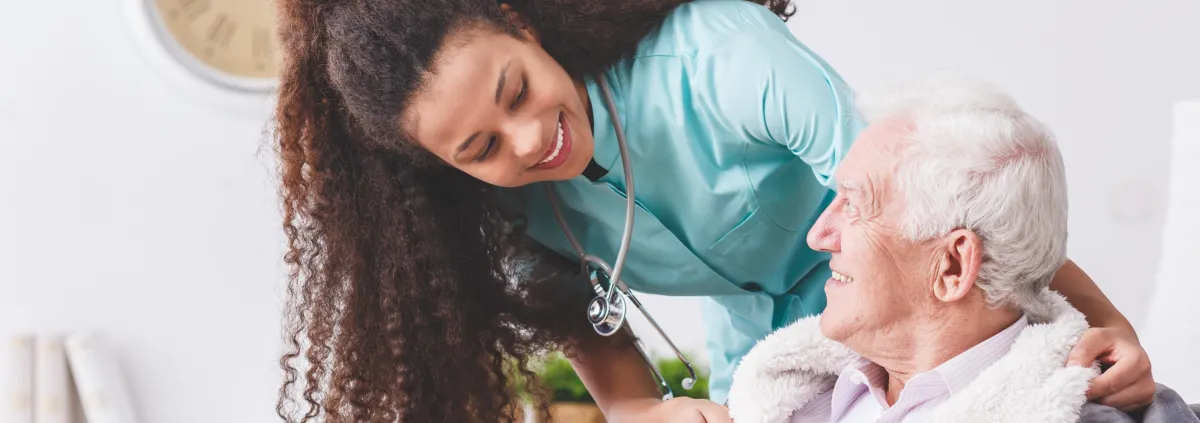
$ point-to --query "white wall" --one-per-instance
(1173, 304)
(128, 207)
(132, 208)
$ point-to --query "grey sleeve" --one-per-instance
(1097, 413)
(1168, 407)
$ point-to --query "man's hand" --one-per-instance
(1128, 385)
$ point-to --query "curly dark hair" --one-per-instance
(413, 295)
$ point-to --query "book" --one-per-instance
(98, 380)
(52, 393)
(18, 387)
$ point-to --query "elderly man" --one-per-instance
(949, 224)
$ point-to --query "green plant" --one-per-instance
(565, 386)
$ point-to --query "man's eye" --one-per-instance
(487, 149)
(851, 208)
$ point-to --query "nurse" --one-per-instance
(415, 138)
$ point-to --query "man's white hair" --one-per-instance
(975, 160)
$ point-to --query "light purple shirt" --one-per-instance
(859, 395)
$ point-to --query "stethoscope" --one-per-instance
(606, 311)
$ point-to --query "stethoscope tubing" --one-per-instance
(629, 196)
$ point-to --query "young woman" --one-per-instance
(417, 138)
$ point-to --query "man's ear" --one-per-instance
(521, 22)
(959, 267)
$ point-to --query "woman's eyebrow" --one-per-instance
(501, 81)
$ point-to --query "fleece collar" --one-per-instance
(1031, 383)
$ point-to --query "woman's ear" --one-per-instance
(959, 266)
(521, 22)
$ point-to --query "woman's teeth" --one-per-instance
(558, 143)
(842, 278)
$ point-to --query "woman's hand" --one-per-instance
(626, 391)
(691, 410)
(675, 410)
(1127, 385)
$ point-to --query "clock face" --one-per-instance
(233, 37)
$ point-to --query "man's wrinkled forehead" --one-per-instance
(876, 152)
(890, 135)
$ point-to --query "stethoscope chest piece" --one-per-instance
(606, 317)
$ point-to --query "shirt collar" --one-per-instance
(954, 375)
(959, 371)
(606, 152)
(860, 375)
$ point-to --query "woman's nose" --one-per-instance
(526, 137)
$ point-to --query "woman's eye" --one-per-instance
(487, 149)
(521, 94)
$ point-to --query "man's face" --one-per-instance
(881, 280)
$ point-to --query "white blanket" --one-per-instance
(1029, 384)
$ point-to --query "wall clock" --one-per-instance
(220, 48)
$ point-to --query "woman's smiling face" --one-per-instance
(502, 110)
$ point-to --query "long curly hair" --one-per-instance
(414, 296)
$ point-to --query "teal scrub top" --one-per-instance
(734, 129)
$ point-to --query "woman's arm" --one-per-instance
(625, 390)
(611, 368)
(617, 378)
(1086, 297)
(1129, 383)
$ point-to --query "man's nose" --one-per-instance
(526, 138)
(824, 235)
